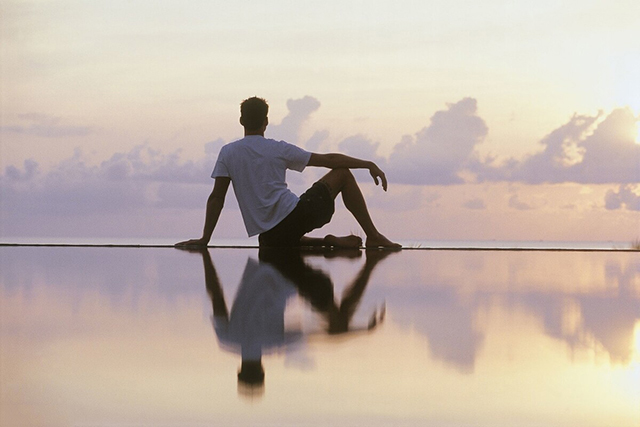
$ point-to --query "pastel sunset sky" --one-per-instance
(498, 119)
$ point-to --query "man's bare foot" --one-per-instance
(350, 241)
(380, 241)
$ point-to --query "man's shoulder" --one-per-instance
(260, 144)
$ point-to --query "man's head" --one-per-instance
(253, 114)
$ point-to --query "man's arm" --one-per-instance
(215, 203)
(337, 160)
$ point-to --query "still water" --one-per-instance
(234, 337)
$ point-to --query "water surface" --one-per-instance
(148, 337)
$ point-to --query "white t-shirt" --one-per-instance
(257, 168)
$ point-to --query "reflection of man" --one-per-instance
(256, 324)
(316, 287)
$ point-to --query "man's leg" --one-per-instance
(342, 181)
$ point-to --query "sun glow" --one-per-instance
(636, 340)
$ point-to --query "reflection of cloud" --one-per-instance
(608, 319)
(611, 322)
(443, 299)
(450, 330)
(446, 322)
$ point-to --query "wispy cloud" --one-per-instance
(45, 126)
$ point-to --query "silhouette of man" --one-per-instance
(257, 167)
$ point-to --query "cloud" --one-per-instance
(439, 152)
(125, 182)
(476, 204)
(300, 111)
(45, 126)
(584, 150)
(625, 197)
(516, 203)
(611, 154)
(361, 147)
(315, 142)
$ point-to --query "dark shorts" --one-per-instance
(314, 209)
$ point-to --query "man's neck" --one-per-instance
(254, 132)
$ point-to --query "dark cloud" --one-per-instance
(625, 197)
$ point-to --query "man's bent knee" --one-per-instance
(336, 179)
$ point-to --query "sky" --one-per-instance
(502, 120)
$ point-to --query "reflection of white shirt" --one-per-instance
(257, 167)
(256, 323)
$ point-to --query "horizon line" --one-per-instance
(420, 248)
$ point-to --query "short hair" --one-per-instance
(253, 111)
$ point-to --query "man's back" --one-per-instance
(257, 168)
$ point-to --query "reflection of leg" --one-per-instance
(353, 293)
(313, 285)
(213, 286)
(342, 181)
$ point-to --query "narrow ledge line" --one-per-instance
(406, 248)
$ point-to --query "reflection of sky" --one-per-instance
(116, 334)
(595, 306)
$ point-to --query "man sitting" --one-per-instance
(257, 167)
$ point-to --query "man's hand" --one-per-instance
(376, 173)
(192, 243)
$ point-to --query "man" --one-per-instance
(257, 167)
